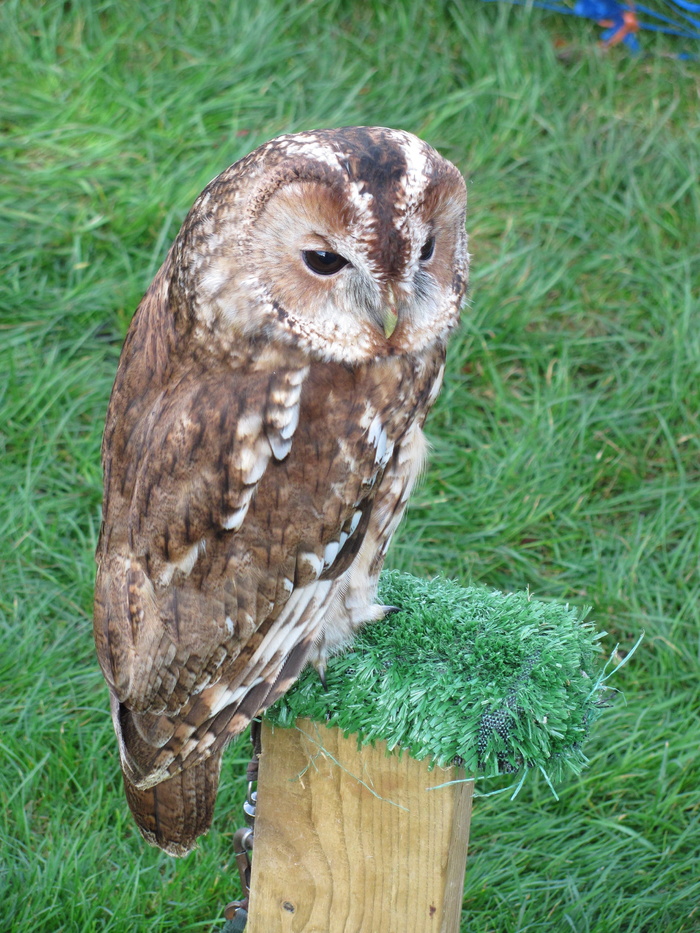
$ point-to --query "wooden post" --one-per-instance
(350, 841)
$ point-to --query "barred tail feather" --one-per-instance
(172, 814)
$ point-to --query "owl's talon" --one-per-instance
(391, 610)
(321, 671)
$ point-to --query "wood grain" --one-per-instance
(350, 841)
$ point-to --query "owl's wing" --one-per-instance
(183, 475)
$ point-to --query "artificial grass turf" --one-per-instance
(499, 683)
(566, 441)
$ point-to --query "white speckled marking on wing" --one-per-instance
(313, 561)
(378, 437)
(185, 564)
(330, 553)
(299, 617)
(253, 460)
(234, 521)
(437, 385)
(282, 411)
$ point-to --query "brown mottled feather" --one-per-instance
(256, 459)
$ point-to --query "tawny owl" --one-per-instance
(263, 437)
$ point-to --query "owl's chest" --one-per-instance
(351, 424)
(397, 390)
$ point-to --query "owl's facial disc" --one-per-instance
(353, 282)
(352, 246)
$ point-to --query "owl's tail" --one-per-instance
(172, 814)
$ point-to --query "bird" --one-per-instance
(262, 439)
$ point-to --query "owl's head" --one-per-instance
(348, 243)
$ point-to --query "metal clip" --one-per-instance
(236, 912)
(249, 805)
(242, 847)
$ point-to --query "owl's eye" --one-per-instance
(428, 249)
(323, 262)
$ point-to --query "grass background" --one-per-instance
(565, 442)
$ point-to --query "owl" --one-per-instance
(263, 437)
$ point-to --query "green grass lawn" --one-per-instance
(565, 445)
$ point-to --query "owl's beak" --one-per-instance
(390, 312)
(390, 319)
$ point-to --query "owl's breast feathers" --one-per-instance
(249, 502)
